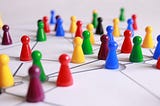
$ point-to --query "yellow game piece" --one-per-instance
(148, 40)
(90, 28)
(6, 77)
(116, 31)
(78, 55)
(73, 25)
(1, 23)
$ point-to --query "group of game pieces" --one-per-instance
(83, 41)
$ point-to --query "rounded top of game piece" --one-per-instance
(25, 39)
(78, 41)
(100, 19)
(86, 34)
(57, 16)
(137, 40)
(5, 27)
(36, 55)
(94, 11)
(64, 59)
(73, 18)
(158, 38)
(109, 29)
(45, 18)
(112, 45)
(40, 24)
(104, 38)
(38, 21)
(122, 9)
(115, 20)
(34, 71)
(127, 33)
(59, 21)
(148, 29)
(4, 59)
(52, 12)
(90, 27)
(130, 21)
(79, 23)
(134, 16)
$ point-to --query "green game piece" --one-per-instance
(41, 35)
(86, 45)
(136, 54)
(122, 15)
(95, 21)
(36, 56)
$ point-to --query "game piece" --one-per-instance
(64, 76)
(148, 40)
(156, 53)
(79, 29)
(130, 26)
(158, 63)
(94, 20)
(122, 15)
(52, 18)
(6, 39)
(109, 30)
(6, 77)
(60, 30)
(86, 45)
(73, 25)
(136, 54)
(90, 28)
(35, 91)
(134, 18)
(78, 56)
(103, 51)
(99, 29)
(116, 31)
(46, 24)
(127, 44)
(41, 35)
(57, 17)
(1, 23)
(112, 60)
(37, 56)
(25, 50)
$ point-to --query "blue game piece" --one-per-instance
(130, 26)
(157, 50)
(59, 30)
(109, 30)
(52, 18)
(112, 60)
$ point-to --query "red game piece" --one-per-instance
(134, 22)
(46, 24)
(103, 51)
(64, 77)
(6, 40)
(25, 51)
(57, 16)
(79, 29)
(127, 44)
(158, 63)
(35, 91)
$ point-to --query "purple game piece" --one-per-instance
(6, 40)
(57, 16)
(35, 91)
(103, 51)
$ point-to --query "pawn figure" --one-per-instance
(127, 44)
(46, 24)
(116, 31)
(6, 39)
(57, 17)
(6, 77)
(103, 51)
(90, 28)
(78, 56)
(25, 51)
(148, 40)
(36, 57)
(41, 35)
(134, 18)
(109, 30)
(35, 91)
(112, 60)
(156, 53)
(64, 77)
(130, 26)
(136, 54)
(86, 45)
(99, 29)
(94, 20)
(60, 30)
(122, 15)
(73, 25)
(52, 18)
(79, 29)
